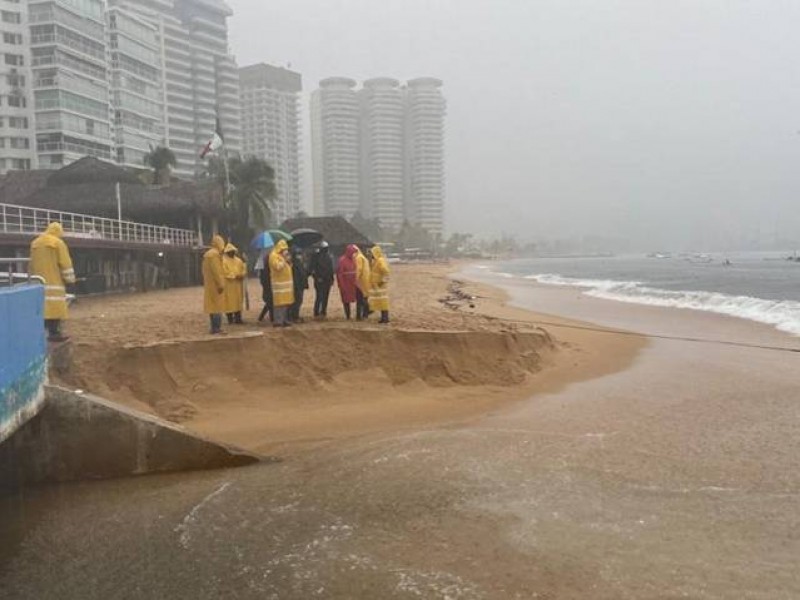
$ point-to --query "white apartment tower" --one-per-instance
(382, 147)
(16, 108)
(70, 80)
(201, 81)
(270, 98)
(336, 140)
(137, 86)
(425, 142)
(398, 133)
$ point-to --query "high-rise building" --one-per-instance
(425, 154)
(270, 98)
(201, 81)
(397, 132)
(16, 108)
(383, 128)
(70, 80)
(137, 86)
(336, 140)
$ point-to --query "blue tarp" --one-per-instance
(23, 355)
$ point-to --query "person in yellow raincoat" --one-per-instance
(363, 284)
(280, 272)
(379, 284)
(214, 283)
(50, 260)
(235, 272)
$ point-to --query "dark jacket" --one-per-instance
(322, 268)
(266, 286)
(299, 274)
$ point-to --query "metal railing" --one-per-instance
(26, 220)
(8, 275)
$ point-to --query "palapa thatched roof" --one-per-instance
(337, 231)
(88, 187)
(91, 170)
(16, 185)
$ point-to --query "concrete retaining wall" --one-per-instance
(79, 436)
(23, 356)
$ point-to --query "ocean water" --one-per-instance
(763, 287)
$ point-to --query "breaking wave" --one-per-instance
(782, 314)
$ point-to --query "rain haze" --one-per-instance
(653, 124)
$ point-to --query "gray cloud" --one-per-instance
(664, 122)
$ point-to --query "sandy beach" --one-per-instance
(453, 358)
(620, 466)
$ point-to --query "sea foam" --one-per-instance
(782, 314)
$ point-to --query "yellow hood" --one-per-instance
(377, 252)
(218, 243)
(55, 229)
(281, 246)
(50, 238)
(230, 248)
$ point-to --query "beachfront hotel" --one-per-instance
(200, 77)
(70, 81)
(137, 90)
(270, 99)
(112, 80)
(379, 150)
(336, 147)
(16, 110)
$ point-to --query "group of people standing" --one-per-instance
(224, 276)
(284, 273)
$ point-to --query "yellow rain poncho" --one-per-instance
(214, 278)
(363, 280)
(379, 280)
(50, 259)
(280, 272)
(235, 272)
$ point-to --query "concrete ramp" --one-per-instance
(80, 436)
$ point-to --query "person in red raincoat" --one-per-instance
(346, 277)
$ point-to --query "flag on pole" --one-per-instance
(215, 143)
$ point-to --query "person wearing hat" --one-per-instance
(323, 274)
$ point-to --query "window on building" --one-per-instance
(17, 101)
(16, 60)
(14, 39)
(19, 143)
(8, 16)
(18, 122)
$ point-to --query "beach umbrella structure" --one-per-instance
(306, 237)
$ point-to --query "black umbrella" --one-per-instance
(305, 237)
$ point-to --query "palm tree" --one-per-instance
(161, 159)
(248, 204)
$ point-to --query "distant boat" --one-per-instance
(700, 258)
(660, 255)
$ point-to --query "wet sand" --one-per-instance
(677, 477)
(329, 380)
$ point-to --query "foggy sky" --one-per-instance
(672, 123)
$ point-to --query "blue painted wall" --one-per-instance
(23, 355)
